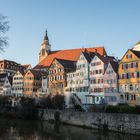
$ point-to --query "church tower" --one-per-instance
(45, 48)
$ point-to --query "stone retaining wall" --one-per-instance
(126, 123)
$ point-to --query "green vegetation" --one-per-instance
(52, 102)
(27, 107)
(123, 109)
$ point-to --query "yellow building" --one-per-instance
(129, 77)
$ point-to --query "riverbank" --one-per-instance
(11, 129)
(124, 123)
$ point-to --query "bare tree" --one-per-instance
(4, 27)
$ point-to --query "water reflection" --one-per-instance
(33, 130)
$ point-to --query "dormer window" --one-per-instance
(82, 58)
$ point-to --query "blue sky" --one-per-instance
(114, 24)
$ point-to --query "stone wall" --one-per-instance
(125, 123)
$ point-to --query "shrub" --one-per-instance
(121, 109)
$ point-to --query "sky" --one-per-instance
(114, 24)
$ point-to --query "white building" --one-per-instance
(97, 69)
(5, 84)
(43, 91)
(78, 81)
(17, 87)
(111, 84)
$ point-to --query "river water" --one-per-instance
(36, 130)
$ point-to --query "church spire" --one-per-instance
(46, 36)
(45, 47)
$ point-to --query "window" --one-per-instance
(96, 71)
(123, 66)
(131, 87)
(82, 58)
(100, 71)
(132, 75)
(128, 56)
(138, 74)
(126, 66)
(136, 64)
(125, 87)
(136, 87)
(132, 65)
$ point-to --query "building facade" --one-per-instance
(96, 69)
(5, 84)
(9, 67)
(43, 91)
(98, 77)
(58, 74)
(78, 81)
(129, 77)
(32, 82)
(17, 86)
(110, 78)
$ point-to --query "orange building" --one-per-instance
(32, 82)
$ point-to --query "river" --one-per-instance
(36, 130)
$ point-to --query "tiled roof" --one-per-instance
(137, 53)
(26, 65)
(114, 66)
(37, 73)
(71, 54)
(67, 64)
(106, 59)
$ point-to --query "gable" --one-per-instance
(109, 68)
(55, 64)
(81, 58)
(29, 73)
(6, 82)
(129, 56)
(18, 73)
(96, 58)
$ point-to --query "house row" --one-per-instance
(85, 76)
(30, 83)
(90, 76)
(91, 79)
(7, 70)
(24, 83)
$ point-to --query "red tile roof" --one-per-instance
(26, 65)
(71, 54)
